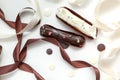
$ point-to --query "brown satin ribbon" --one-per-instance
(19, 56)
(76, 64)
(10, 23)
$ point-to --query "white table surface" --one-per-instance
(36, 55)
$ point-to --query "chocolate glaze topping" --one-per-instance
(65, 36)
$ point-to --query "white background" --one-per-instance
(36, 55)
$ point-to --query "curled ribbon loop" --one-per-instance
(34, 21)
(10, 23)
(18, 58)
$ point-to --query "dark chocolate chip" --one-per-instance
(101, 47)
(73, 26)
(49, 51)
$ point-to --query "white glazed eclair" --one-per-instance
(77, 22)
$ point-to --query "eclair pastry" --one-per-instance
(61, 35)
(77, 22)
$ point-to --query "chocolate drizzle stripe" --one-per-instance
(62, 35)
(19, 55)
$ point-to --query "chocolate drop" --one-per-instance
(49, 51)
(61, 35)
(101, 47)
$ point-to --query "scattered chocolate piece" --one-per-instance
(77, 22)
(49, 51)
(65, 36)
(101, 47)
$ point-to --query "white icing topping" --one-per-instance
(47, 12)
(75, 21)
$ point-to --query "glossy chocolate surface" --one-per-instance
(60, 35)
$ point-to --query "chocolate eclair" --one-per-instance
(77, 22)
(61, 35)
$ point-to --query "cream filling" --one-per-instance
(75, 21)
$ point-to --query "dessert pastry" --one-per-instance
(77, 22)
(60, 35)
